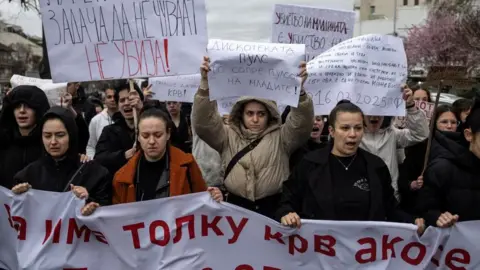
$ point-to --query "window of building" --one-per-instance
(417, 2)
(405, 2)
(372, 10)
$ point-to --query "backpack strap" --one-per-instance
(239, 156)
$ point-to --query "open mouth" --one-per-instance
(374, 122)
(129, 110)
(351, 144)
(22, 118)
(315, 129)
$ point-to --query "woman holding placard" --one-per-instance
(341, 181)
(255, 146)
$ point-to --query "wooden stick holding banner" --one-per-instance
(432, 127)
(135, 117)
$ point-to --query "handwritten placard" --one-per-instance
(101, 40)
(54, 91)
(367, 70)
(263, 70)
(318, 28)
(175, 88)
(427, 107)
(225, 105)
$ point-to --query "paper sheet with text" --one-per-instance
(106, 40)
(54, 91)
(263, 70)
(318, 28)
(175, 88)
(367, 70)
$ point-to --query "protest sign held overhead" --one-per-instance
(318, 28)
(175, 88)
(54, 91)
(103, 40)
(263, 70)
(367, 70)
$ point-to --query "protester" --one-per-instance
(451, 190)
(461, 108)
(255, 145)
(80, 102)
(100, 121)
(420, 94)
(60, 169)
(20, 135)
(341, 181)
(411, 179)
(181, 130)
(158, 170)
(315, 142)
(116, 144)
(382, 139)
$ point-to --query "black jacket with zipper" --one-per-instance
(309, 189)
(56, 175)
(451, 180)
(115, 140)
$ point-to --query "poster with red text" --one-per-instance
(43, 230)
(106, 40)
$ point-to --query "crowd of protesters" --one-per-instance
(287, 166)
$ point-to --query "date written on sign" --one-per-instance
(324, 97)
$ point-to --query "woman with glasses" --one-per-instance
(411, 178)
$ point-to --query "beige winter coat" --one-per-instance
(261, 172)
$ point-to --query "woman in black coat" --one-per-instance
(60, 169)
(451, 190)
(341, 181)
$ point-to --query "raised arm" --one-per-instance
(299, 123)
(416, 129)
(206, 120)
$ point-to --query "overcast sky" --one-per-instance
(223, 17)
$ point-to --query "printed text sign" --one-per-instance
(100, 40)
(367, 70)
(175, 88)
(319, 29)
(263, 70)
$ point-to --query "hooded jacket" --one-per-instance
(17, 151)
(261, 172)
(385, 142)
(56, 175)
(451, 181)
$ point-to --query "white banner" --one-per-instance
(54, 91)
(194, 232)
(368, 70)
(105, 40)
(175, 88)
(264, 70)
(318, 28)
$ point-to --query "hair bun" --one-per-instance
(343, 101)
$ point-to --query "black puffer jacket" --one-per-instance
(451, 181)
(56, 175)
(17, 151)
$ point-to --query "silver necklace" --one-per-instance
(350, 164)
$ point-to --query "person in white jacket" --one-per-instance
(384, 142)
(100, 121)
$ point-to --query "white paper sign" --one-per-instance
(105, 40)
(54, 91)
(263, 70)
(225, 105)
(194, 232)
(367, 70)
(175, 88)
(318, 28)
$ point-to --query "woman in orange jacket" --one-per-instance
(157, 170)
